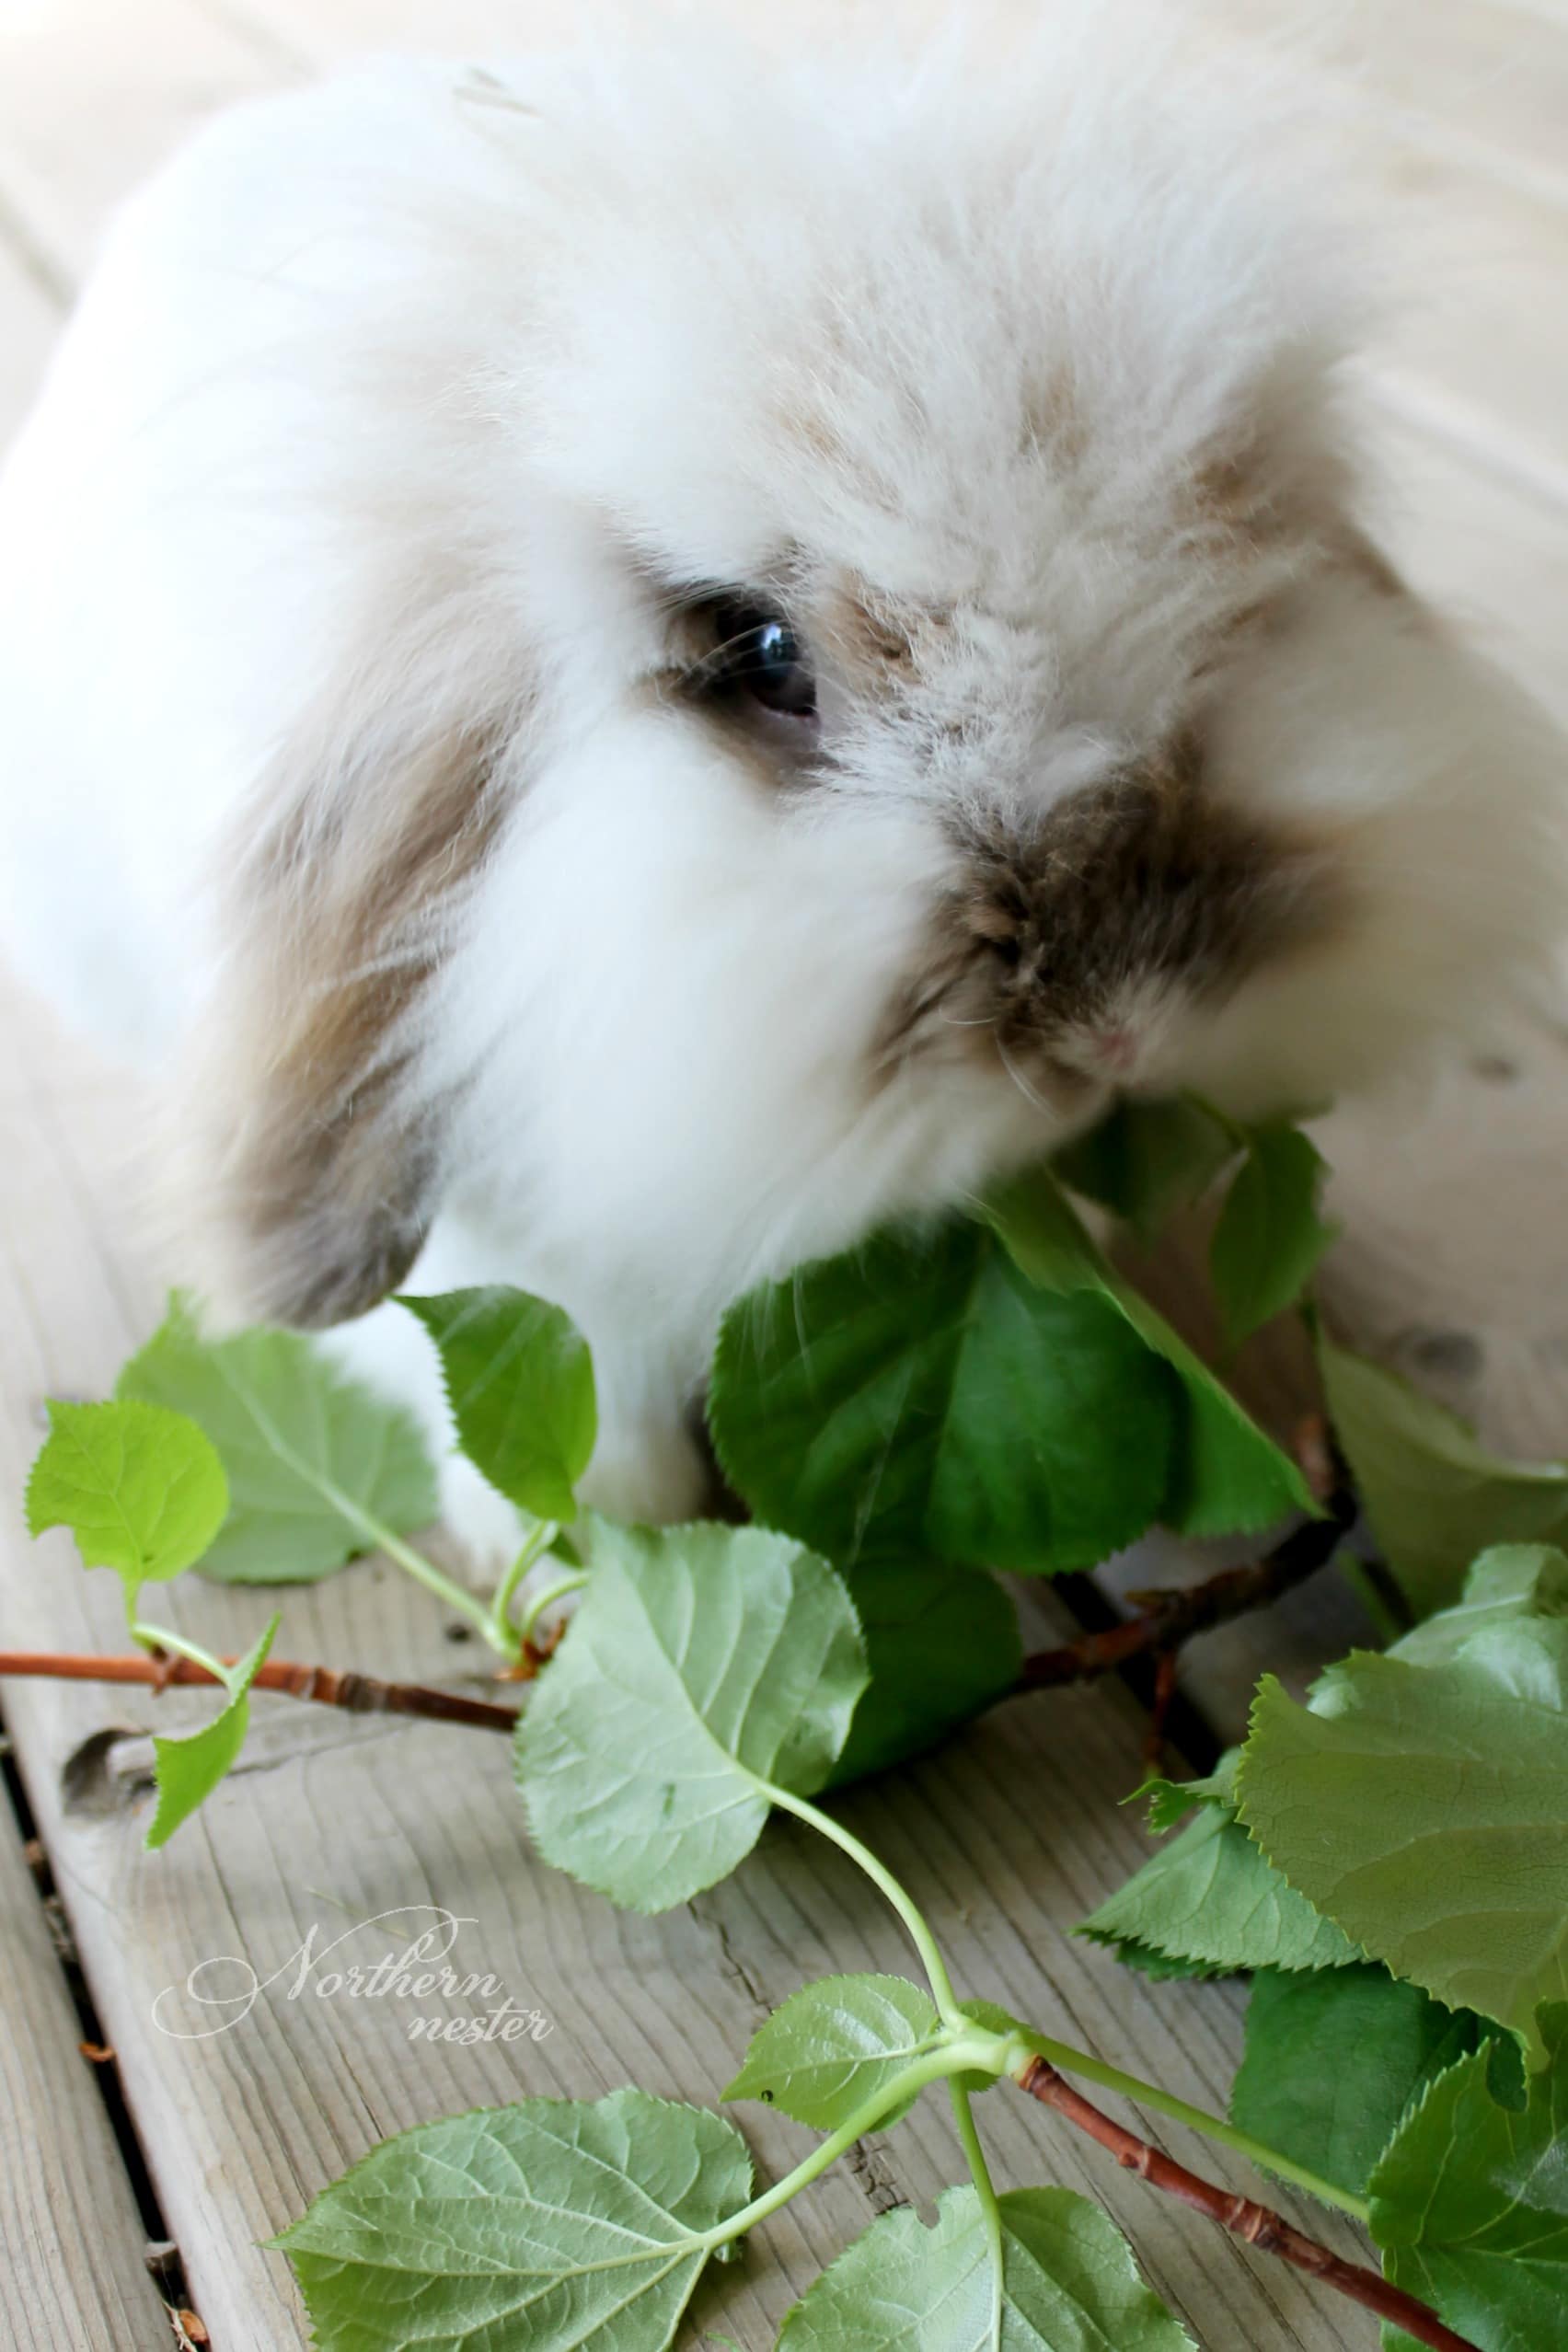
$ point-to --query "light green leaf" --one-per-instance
(1224, 1475)
(1511, 1581)
(1470, 2203)
(1145, 1160)
(920, 1396)
(1269, 1237)
(1334, 2058)
(315, 1461)
(1210, 1897)
(1434, 1495)
(1069, 2284)
(140, 1488)
(555, 2225)
(704, 1664)
(1425, 1808)
(520, 1381)
(188, 1770)
(833, 2045)
(942, 1644)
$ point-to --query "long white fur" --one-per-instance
(501, 343)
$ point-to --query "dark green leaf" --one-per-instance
(520, 1381)
(1209, 1897)
(140, 1488)
(1269, 1237)
(1334, 2058)
(1069, 2284)
(921, 1396)
(315, 1462)
(942, 1644)
(704, 1666)
(1224, 1476)
(833, 2045)
(551, 2226)
(1146, 1160)
(188, 1770)
(1434, 1495)
(1470, 2203)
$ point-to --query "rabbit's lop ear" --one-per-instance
(307, 1140)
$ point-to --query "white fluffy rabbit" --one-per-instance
(619, 666)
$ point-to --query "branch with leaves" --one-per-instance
(711, 1675)
(1163, 1623)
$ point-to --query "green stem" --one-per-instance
(427, 1573)
(1147, 2094)
(952, 2058)
(571, 1583)
(979, 2172)
(158, 1637)
(543, 1535)
(884, 1880)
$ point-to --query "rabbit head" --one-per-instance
(858, 646)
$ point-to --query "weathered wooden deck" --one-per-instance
(1455, 112)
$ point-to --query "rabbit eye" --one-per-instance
(759, 655)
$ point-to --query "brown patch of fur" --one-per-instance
(327, 1160)
(1144, 878)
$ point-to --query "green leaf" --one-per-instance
(140, 1488)
(1511, 1581)
(1210, 1897)
(1224, 1476)
(1145, 1160)
(520, 1381)
(1169, 1802)
(704, 1667)
(833, 2045)
(942, 1644)
(188, 1770)
(1434, 1495)
(1069, 2284)
(1470, 2203)
(1269, 1237)
(1334, 2058)
(1425, 1808)
(556, 2224)
(920, 1396)
(316, 1464)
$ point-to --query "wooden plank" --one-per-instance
(1493, 558)
(74, 2240)
(1477, 331)
(1008, 1835)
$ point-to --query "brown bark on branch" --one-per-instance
(1167, 1619)
(1255, 2223)
(361, 1694)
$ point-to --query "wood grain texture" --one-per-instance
(73, 2238)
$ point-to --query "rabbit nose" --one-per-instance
(1114, 1049)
